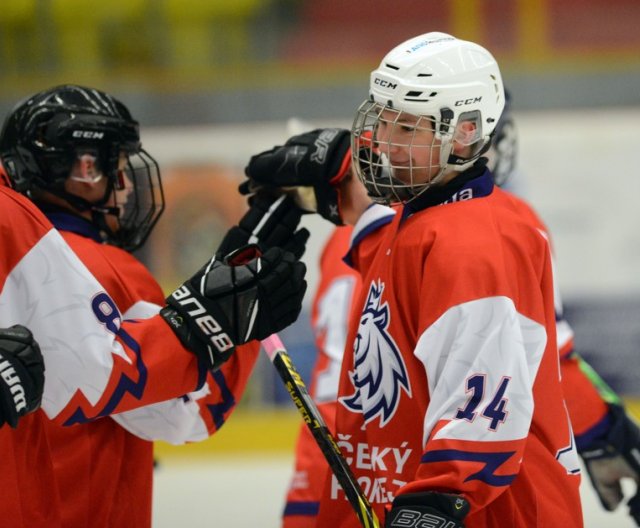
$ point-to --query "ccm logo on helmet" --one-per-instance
(87, 134)
(463, 102)
(385, 84)
(13, 382)
(206, 322)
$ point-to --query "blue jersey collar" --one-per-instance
(475, 182)
(64, 221)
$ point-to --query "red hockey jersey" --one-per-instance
(96, 364)
(586, 407)
(454, 345)
(104, 468)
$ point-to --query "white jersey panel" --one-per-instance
(481, 360)
(374, 216)
(141, 310)
(45, 291)
(176, 421)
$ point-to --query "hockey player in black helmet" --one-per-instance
(75, 152)
(82, 146)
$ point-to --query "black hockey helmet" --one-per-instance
(44, 135)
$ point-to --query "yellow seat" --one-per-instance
(205, 32)
(81, 27)
(19, 35)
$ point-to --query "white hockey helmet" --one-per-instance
(442, 81)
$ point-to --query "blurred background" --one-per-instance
(214, 81)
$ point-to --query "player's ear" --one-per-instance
(85, 169)
(85, 175)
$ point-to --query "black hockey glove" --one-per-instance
(21, 374)
(224, 305)
(319, 159)
(428, 508)
(615, 456)
(271, 221)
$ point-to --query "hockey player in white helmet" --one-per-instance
(450, 407)
(416, 116)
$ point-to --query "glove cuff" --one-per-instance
(328, 198)
(194, 338)
(428, 508)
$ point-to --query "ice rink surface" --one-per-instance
(247, 492)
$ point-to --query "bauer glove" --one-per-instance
(21, 374)
(428, 508)
(224, 305)
(613, 457)
(319, 159)
(271, 221)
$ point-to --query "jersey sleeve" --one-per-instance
(488, 340)
(587, 398)
(96, 365)
(198, 414)
(193, 416)
(584, 391)
(489, 356)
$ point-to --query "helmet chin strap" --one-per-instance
(99, 219)
(99, 210)
(454, 163)
(459, 164)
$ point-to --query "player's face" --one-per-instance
(123, 186)
(410, 144)
(89, 182)
(122, 189)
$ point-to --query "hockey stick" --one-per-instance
(326, 442)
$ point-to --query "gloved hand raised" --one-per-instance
(224, 305)
(319, 159)
(271, 221)
(613, 457)
(21, 374)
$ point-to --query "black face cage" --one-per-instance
(139, 201)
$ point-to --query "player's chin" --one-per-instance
(411, 176)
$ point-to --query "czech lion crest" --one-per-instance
(379, 374)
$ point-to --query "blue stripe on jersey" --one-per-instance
(487, 474)
(309, 508)
(218, 410)
(125, 385)
(595, 433)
